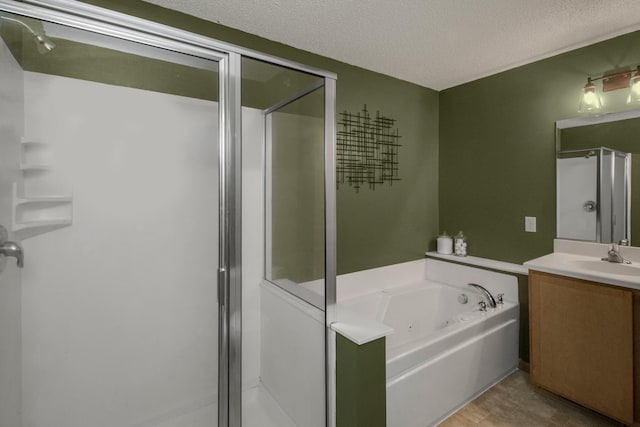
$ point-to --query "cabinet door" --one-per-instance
(582, 342)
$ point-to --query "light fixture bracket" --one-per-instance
(616, 81)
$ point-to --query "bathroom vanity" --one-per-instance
(582, 342)
(585, 328)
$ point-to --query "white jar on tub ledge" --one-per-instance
(460, 244)
(445, 244)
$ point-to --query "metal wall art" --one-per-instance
(367, 150)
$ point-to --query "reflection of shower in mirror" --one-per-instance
(43, 43)
(593, 198)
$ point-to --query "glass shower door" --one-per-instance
(109, 179)
(295, 247)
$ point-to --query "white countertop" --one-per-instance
(482, 262)
(357, 328)
(583, 261)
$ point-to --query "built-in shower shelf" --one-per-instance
(26, 141)
(27, 230)
(27, 167)
(46, 200)
(50, 223)
(41, 214)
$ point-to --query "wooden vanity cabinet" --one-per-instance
(582, 342)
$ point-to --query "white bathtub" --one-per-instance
(443, 353)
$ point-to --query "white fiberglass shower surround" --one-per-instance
(139, 186)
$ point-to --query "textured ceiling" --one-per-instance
(434, 43)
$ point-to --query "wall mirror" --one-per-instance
(597, 177)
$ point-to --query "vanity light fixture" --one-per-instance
(590, 100)
(634, 88)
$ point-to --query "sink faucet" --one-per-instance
(492, 301)
(615, 256)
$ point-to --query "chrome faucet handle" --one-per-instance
(499, 299)
(483, 305)
(623, 242)
(13, 249)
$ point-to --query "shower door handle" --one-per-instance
(7, 249)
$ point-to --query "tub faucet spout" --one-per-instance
(487, 294)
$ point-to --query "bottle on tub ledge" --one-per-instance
(445, 244)
(460, 244)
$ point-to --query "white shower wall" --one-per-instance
(119, 310)
(11, 129)
(577, 184)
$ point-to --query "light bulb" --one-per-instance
(589, 100)
(634, 90)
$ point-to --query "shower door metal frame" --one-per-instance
(330, 236)
(111, 23)
(230, 250)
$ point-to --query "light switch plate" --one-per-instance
(530, 224)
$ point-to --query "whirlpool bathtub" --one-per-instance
(445, 350)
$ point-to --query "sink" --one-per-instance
(608, 267)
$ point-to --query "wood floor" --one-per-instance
(515, 402)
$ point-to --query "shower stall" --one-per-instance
(593, 195)
(169, 207)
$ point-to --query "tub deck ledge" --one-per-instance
(358, 328)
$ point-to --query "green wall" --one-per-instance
(497, 147)
(375, 228)
(360, 383)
